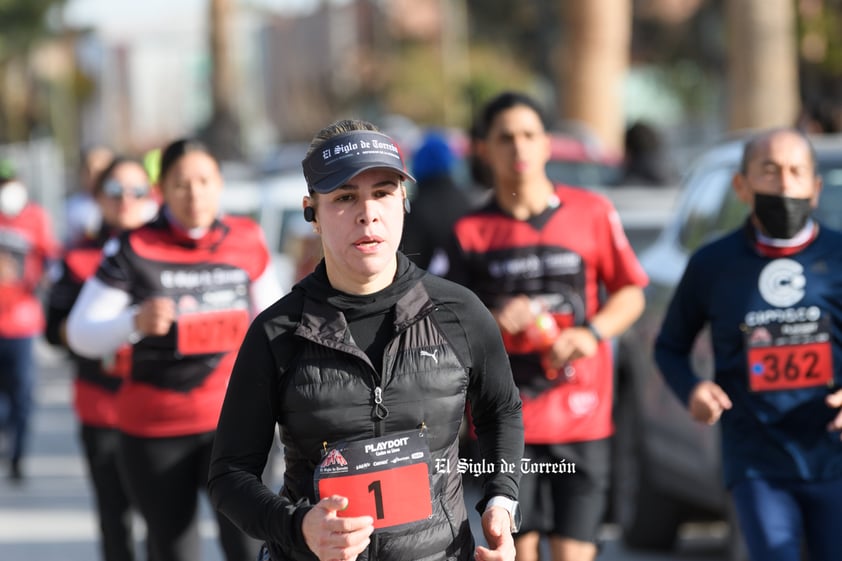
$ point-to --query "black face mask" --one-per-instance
(781, 217)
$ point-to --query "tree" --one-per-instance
(593, 62)
(22, 24)
(222, 133)
(762, 63)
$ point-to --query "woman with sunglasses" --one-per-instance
(181, 291)
(124, 200)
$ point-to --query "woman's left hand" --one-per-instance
(496, 525)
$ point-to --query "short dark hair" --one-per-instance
(180, 148)
(503, 102)
(751, 145)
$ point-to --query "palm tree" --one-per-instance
(762, 63)
(223, 132)
(593, 61)
(22, 24)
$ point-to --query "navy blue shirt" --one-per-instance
(776, 325)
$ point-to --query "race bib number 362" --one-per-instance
(790, 367)
(387, 478)
(790, 356)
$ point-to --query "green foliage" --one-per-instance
(418, 88)
(22, 22)
(528, 29)
(825, 28)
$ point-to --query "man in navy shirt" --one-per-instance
(771, 293)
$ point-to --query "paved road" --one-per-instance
(49, 517)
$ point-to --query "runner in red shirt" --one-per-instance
(537, 256)
(26, 244)
(181, 290)
(123, 197)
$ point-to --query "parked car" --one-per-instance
(667, 467)
(574, 160)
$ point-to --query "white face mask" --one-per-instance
(13, 198)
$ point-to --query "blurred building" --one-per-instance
(149, 82)
(294, 72)
(337, 58)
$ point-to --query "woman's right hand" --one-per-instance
(155, 316)
(331, 537)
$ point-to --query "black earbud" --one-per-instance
(309, 214)
(406, 206)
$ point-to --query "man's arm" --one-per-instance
(620, 311)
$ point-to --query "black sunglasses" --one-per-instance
(113, 189)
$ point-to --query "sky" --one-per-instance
(107, 13)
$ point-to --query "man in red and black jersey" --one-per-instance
(26, 244)
(537, 256)
(124, 198)
(181, 290)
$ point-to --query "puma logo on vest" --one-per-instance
(431, 355)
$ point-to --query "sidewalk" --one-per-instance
(49, 517)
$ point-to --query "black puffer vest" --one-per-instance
(330, 392)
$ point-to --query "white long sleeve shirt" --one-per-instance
(102, 318)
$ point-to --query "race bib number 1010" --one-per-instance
(211, 332)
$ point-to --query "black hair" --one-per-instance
(105, 174)
(180, 148)
(754, 142)
(503, 102)
(641, 139)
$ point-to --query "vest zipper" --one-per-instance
(380, 411)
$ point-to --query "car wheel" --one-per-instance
(647, 517)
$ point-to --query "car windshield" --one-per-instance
(829, 210)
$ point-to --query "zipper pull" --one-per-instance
(324, 448)
(380, 410)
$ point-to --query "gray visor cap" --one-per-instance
(340, 158)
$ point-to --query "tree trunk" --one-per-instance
(15, 99)
(762, 64)
(593, 65)
(223, 133)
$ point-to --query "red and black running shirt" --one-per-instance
(178, 381)
(561, 258)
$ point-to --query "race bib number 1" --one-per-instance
(211, 332)
(387, 478)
